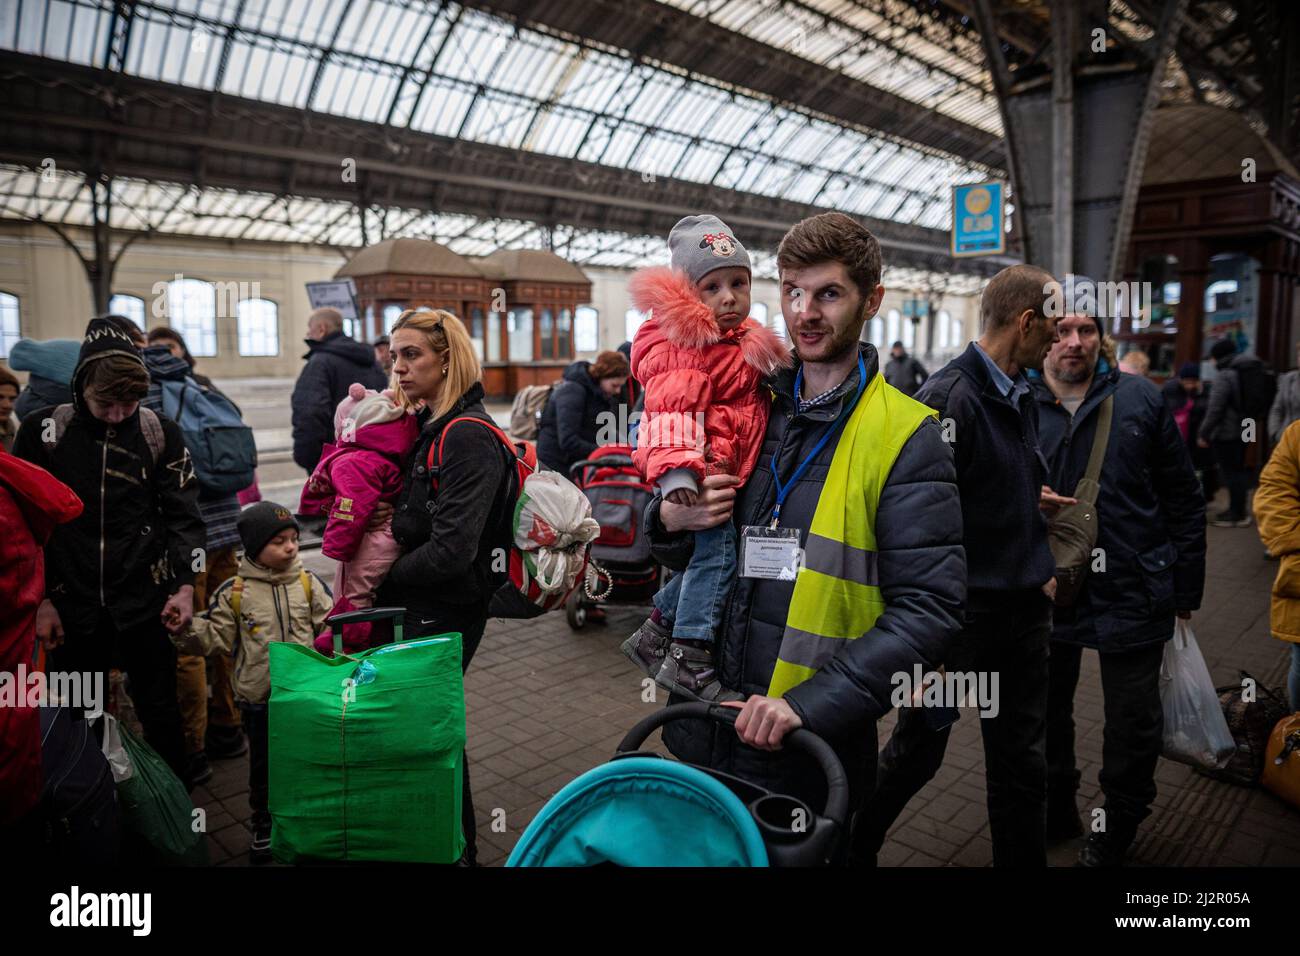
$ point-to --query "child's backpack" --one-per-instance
(526, 411)
(237, 593)
(551, 531)
(221, 445)
(149, 426)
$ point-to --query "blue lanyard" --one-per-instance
(784, 489)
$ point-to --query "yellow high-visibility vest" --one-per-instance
(837, 593)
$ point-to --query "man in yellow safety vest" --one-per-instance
(851, 567)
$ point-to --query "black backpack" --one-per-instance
(1256, 387)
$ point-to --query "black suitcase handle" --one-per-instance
(337, 621)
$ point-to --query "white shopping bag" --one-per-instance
(554, 526)
(1196, 731)
(118, 759)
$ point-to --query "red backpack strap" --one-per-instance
(435, 460)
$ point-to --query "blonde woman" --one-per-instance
(451, 533)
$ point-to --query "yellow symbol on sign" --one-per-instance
(978, 200)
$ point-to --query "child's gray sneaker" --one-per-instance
(688, 670)
(647, 646)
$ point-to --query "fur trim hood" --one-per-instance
(688, 323)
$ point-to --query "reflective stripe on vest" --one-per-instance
(837, 594)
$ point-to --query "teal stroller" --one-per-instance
(642, 809)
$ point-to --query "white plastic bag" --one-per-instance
(1196, 731)
(554, 526)
(118, 759)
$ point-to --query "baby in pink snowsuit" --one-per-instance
(362, 468)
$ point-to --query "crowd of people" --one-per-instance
(835, 520)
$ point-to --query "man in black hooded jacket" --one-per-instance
(122, 573)
(334, 362)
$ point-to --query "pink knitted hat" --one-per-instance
(364, 407)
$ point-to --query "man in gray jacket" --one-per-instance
(830, 285)
(1286, 403)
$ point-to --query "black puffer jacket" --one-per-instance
(1151, 514)
(449, 538)
(136, 540)
(333, 364)
(1001, 474)
(922, 570)
(571, 420)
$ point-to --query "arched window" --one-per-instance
(909, 333)
(9, 328)
(758, 311)
(958, 336)
(392, 312)
(586, 329)
(259, 327)
(191, 309)
(632, 320)
(943, 329)
(131, 306)
(891, 330)
(876, 331)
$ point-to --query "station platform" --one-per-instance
(528, 738)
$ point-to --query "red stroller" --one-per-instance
(618, 496)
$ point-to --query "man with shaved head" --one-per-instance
(334, 362)
(991, 420)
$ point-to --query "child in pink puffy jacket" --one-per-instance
(364, 467)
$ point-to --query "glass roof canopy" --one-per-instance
(889, 44)
(453, 70)
(226, 214)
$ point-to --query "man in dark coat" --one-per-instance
(122, 573)
(1149, 567)
(983, 399)
(334, 362)
(904, 371)
(918, 566)
(1188, 395)
(581, 407)
(1223, 427)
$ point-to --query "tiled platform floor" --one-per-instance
(527, 739)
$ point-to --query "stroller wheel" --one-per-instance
(575, 612)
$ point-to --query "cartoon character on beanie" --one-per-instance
(719, 243)
(362, 468)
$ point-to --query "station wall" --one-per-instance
(54, 298)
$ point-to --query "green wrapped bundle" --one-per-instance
(156, 808)
(366, 752)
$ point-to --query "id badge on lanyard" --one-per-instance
(773, 552)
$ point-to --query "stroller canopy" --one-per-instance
(642, 811)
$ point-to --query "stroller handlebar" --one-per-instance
(837, 784)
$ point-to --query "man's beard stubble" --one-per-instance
(1069, 377)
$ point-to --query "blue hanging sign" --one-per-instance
(977, 219)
